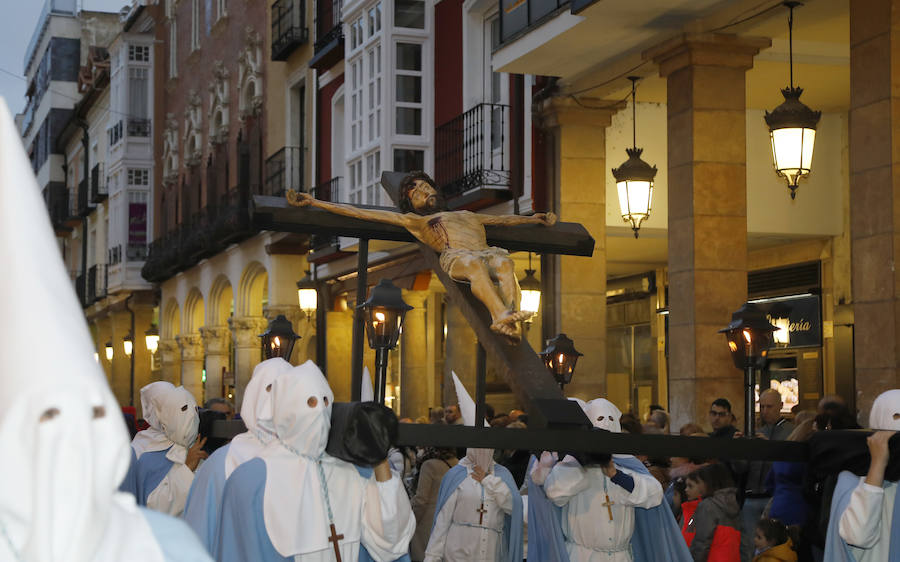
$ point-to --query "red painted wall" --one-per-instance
(447, 61)
(323, 124)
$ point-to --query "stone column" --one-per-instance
(581, 146)
(192, 364)
(707, 154)
(120, 380)
(875, 201)
(247, 351)
(462, 353)
(414, 399)
(340, 340)
(298, 321)
(216, 340)
(171, 361)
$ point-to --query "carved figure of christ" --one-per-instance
(459, 238)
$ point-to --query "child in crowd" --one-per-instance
(772, 542)
(687, 495)
(716, 521)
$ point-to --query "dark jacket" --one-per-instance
(716, 527)
(758, 471)
(726, 432)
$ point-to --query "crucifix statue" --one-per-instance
(459, 238)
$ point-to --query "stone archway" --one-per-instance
(248, 322)
(217, 338)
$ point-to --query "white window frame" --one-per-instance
(195, 25)
(173, 48)
(221, 9)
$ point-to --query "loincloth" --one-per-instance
(450, 255)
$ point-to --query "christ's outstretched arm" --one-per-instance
(301, 199)
(547, 219)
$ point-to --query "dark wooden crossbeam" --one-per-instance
(579, 440)
(274, 213)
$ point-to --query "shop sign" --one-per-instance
(799, 320)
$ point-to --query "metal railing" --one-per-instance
(328, 23)
(137, 127)
(98, 183)
(288, 27)
(284, 171)
(85, 206)
(328, 191)
(96, 283)
(472, 150)
(80, 289)
(135, 251)
(57, 199)
(114, 133)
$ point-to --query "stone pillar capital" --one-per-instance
(215, 339)
(246, 330)
(706, 49)
(168, 348)
(585, 112)
(191, 346)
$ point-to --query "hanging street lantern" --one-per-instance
(128, 345)
(109, 351)
(792, 126)
(560, 357)
(279, 338)
(151, 339)
(749, 336)
(530, 286)
(307, 295)
(634, 178)
(383, 314)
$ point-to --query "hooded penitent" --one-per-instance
(152, 438)
(302, 403)
(604, 415)
(256, 411)
(65, 447)
(885, 412)
(481, 457)
(179, 420)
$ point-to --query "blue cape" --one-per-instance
(177, 542)
(511, 542)
(201, 512)
(151, 469)
(241, 532)
(130, 483)
(656, 538)
(836, 550)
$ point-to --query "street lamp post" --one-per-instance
(560, 357)
(279, 338)
(383, 315)
(749, 337)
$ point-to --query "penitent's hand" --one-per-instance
(878, 447)
(609, 469)
(383, 471)
(549, 219)
(195, 453)
(478, 473)
(299, 198)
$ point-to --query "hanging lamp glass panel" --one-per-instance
(792, 130)
(634, 182)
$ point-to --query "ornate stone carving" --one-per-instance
(169, 350)
(216, 339)
(170, 149)
(191, 347)
(250, 74)
(218, 104)
(246, 330)
(193, 132)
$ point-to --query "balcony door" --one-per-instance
(495, 116)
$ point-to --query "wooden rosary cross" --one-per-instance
(608, 505)
(334, 538)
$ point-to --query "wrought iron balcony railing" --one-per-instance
(80, 288)
(98, 184)
(96, 283)
(284, 171)
(85, 205)
(328, 191)
(114, 133)
(289, 29)
(57, 199)
(472, 151)
(328, 23)
(138, 127)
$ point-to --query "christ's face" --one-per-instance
(424, 198)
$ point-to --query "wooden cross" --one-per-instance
(481, 511)
(334, 538)
(608, 505)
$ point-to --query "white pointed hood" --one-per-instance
(885, 412)
(152, 438)
(604, 414)
(257, 413)
(179, 420)
(481, 457)
(302, 403)
(366, 392)
(65, 446)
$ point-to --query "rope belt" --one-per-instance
(474, 526)
(610, 551)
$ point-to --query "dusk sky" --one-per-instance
(18, 23)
